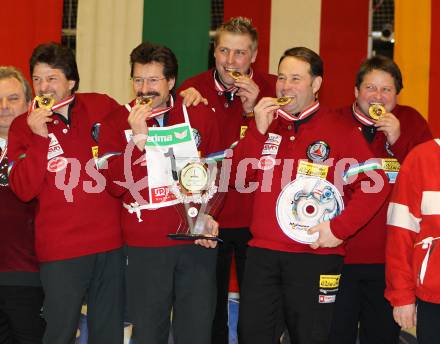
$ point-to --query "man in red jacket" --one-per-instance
(412, 253)
(165, 278)
(232, 89)
(77, 230)
(21, 295)
(361, 308)
(295, 256)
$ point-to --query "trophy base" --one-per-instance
(193, 237)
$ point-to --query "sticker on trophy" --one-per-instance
(318, 151)
(306, 168)
(376, 110)
(194, 177)
(304, 203)
(243, 129)
(197, 137)
(54, 147)
(57, 164)
(198, 196)
(45, 101)
(192, 212)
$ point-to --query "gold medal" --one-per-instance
(194, 177)
(144, 100)
(376, 110)
(45, 101)
(281, 101)
(234, 74)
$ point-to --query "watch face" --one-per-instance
(194, 177)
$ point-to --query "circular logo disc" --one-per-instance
(304, 203)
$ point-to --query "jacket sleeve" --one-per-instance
(414, 131)
(119, 161)
(403, 224)
(366, 188)
(27, 154)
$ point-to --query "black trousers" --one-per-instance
(178, 280)
(66, 283)
(235, 243)
(303, 286)
(20, 315)
(361, 307)
(428, 322)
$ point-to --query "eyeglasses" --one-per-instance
(138, 81)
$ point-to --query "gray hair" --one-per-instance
(12, 72)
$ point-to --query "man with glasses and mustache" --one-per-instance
(164, 277)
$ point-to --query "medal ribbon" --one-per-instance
(365, 120)
(219, 87)
(302, 115)
(58, 105)
(2, 156)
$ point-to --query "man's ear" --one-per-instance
(316, 84)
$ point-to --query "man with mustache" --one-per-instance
(78, 238)
(232, 89)
(21, 295)
(164, 276)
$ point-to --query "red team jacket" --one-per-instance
(340, 140)
(18, 263)
(237, 210)
(68, 224)
(413, 234)
(156, 224)
(368, 245)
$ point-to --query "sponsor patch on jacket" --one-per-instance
(391, 168)
(271, 145)
(243, 129)
(329, 281)
(327, 298)
(306, 168)
(318, 151)
(57, 164)
(266, 162)
(54, 147)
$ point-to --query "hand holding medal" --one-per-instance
(385, 122)
(40, 114)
